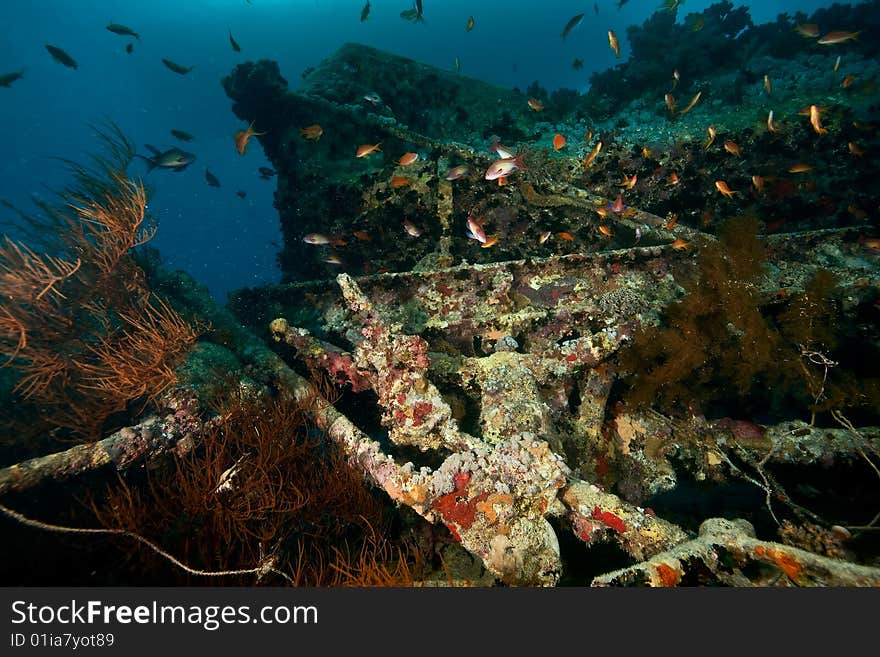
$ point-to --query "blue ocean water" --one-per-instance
(224, 241)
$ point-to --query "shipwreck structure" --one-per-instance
(484, 383)
(494, 370)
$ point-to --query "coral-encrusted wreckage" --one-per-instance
(671, 400)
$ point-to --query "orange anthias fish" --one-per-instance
(365, 150)
(491, 240)
(758, 182)
(504, 167)
(837, 37)
(535, 104)
(565, 236)
(870, 243)
(502, 151)
(612, 41)
(321, 239)
(242, 136)
(732, 148)
(771, 126)
(855, 149)
(470, 24)
(316, 238)
(670, 102)
(646, 153)
(680, 244)
(628, 182)
(673, 219)
(558, 142)
(475, 229)
(691, 104)
(312, 132)
(805, 111)
(711, 131)
(398, 181)
(363, 235)
(800, 167)
(673, 180)
(588, 162)
(407, 158)
(848, 80)
(768, 86)
(807, 30)
(814, 120)
(722, 187)
(605, 230)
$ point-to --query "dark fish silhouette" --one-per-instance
(211, 178)
(177, 68)
(8, 78)
(241, 193)
(266, 172)
(123, 30)
(621, 3)
(365, 12)
(573, 22)
(61, 57)
(174, 158)
(182, 136)
(414, 14)
(234, 43)
(129, 48)
(596, 8)
(577, 64)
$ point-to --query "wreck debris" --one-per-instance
(493, 494)
(726, 552)
(151, 439)
(594, 514)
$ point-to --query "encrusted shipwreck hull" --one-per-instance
(491, 369)
(502, 374)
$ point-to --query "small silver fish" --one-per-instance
(316, 238)
(410, 228)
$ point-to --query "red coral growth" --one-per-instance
(609, 519)
(418, 349)
(343, 370)
(455, 508)
(420, 410)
